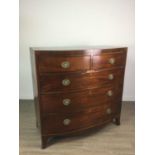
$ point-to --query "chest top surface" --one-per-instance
(72, 48)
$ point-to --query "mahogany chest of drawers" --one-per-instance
(76, 89)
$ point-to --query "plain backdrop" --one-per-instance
(76, 23)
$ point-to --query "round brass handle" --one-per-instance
(66, 82)
(66, 102)
(66, 121)
(65, 64)
(110, 93)
(112, 61)
(110, 76)
(109, 111)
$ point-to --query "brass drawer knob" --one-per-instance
(65, 64)
(66, 121)
(66, 82)
(110, 76)
(112, 61)
(66, 102)
(110, 93)
(109, 111)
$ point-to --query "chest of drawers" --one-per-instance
(76, 89)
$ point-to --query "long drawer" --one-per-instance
(75, 101)
(74, 81)
(61, 123)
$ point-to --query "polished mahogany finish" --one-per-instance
(108, 60)
(76, 89)
(78, 100)
(79, 81)
(49, 63)
(83, 119)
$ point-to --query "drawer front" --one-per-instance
(65, 82)
(51, 63)
(76, 101)
(108, 60)
(61, 123)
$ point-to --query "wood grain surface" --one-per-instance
(84, 77)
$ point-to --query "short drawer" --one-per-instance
(108, 60)
(60, 63)
(68, 82)
(76, 101)
(61, 123)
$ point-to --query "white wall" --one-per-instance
(72, 23)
